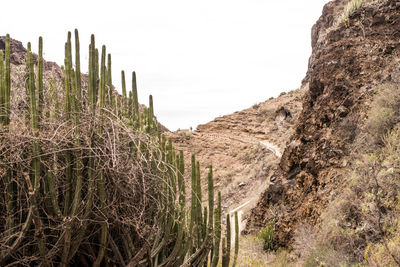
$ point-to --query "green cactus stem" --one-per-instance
(236, 239)
(40, 78)
(217, 232)
(78, 81)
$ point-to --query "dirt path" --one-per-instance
(240, 209)
(271, 147)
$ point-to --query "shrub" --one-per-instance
(362, 223)
(351, 6)
(384, 113)
(266, 234)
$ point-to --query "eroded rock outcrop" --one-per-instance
(346, 64)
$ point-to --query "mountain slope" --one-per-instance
(244, 147)
(348, 63)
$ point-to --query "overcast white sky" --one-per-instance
(199, 59)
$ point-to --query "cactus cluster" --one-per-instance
(99, 184)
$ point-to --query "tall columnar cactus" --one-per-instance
(96, 74)
(217, 231)
(123, 86)
(199, 219)
(224, 252)
(103, 91)
(91, 171)
(136, 110)
(6, 85)
(36, 156)
(227, 253)
(110, 94)
(76, 108)
(68, 111)
(92, 75)
(150, 114)
(236, 239)
(210, 199)
(7, 80)
(2, 88)
(101, 183)
(78, 81)
(40, 77)
(68, 155)
(193, 207)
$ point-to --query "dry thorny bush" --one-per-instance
(132, 166)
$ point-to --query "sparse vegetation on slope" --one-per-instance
(361, 225)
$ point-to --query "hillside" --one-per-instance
(244, 149)
(322, 130)
(350, 64)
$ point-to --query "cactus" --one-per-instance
(101, 183)
(40, 77)
(236, 239)
(68, 111)
(73, 219)
(5, 112)
(224, 253)
(36, 156)
(92, 75)
(7, 81)
(193, 207)
(78, 82)
(123, 84)
(228, 239)
(110, 95)
(150, 114)
(217, 231)
(199, 219)
(136, 110)
(103, 92)
(2, 89)
(76, 106)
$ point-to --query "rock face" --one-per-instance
(346, 64)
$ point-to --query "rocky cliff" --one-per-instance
(348, 61)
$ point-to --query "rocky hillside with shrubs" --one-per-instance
(336, 199)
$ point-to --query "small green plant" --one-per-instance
(351, 6)
(266, 234)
